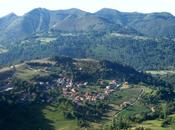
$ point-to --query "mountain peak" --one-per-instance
(73, 11)
(108, 10)
(37, 10)
(10, 15)
(161, 15)
(165, 14)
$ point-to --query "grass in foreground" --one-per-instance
(154, 125)
(57, 119)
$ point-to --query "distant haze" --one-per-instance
(145, 6)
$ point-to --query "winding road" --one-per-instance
(138, 98)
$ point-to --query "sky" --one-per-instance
(20, 7)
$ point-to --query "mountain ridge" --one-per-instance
(115, 10)
(72, 20)
(134, 39)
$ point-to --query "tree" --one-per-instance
(164, 110)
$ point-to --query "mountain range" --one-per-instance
(143, 41)
(42, 20)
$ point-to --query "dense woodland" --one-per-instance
(140, 54)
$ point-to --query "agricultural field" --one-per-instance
(160, 72)
(28, 73)
(2, 50)
(125, 95)
(166, 75)
(154, 125)
(46, 40)
(56, 117)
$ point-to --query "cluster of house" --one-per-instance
(78, 97)
(69, 89)
(25, 94)
(72, 90)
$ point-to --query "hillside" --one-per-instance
(81, 93)
(43, 21)
(140, 52)
(89, 70)
(143, 41)
(153, 24)
(166, 75)
(73, 20)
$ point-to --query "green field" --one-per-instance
(154, 125)
(57, 119)
(2, 50)
(27, 74)
(46, 40)
(120, 96)
(123, 95)
(160, 72)
(166, 75)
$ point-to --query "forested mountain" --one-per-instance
(153, 24)
(71, 20)
(139, 52)
(143, 41)
(42, 20)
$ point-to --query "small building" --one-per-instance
(85, 83)
(125, 85)
(108, 87)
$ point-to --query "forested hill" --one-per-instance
(140, 52)
(44, 93)
(79, 70)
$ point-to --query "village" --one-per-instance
(68, 89)
(73, 90)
